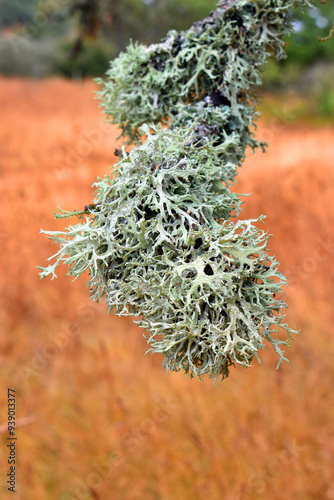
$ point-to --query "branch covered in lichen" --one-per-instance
(158, 241)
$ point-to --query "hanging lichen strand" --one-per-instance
(158, 241)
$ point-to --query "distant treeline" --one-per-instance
(79, 37)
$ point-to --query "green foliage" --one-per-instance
(326, 104)
(303, 50)
(310, 24)
(148, 22)
(158, 242)
(16, 12)
(92, 60)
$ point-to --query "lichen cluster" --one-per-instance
(159, 241)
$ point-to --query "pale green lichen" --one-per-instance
(158, 241)
(222, 54)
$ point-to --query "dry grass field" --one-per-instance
(98, 420)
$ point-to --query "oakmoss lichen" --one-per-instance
(159, 241)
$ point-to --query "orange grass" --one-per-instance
(100, 421)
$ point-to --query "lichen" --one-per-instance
(159, 241)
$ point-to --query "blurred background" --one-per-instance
(96, 419)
